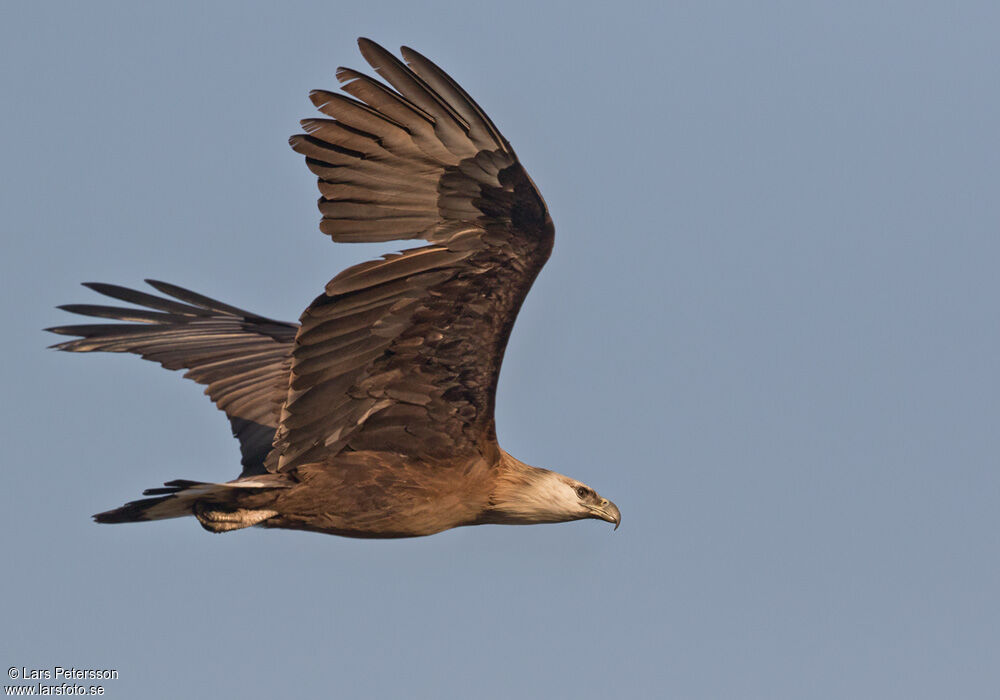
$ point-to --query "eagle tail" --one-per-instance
(218, 507)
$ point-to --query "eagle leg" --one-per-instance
(225, 520)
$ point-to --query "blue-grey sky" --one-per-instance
(770, 331)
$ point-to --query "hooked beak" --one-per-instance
(607, 511)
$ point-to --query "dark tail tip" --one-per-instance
(132, 512)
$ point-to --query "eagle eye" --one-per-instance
(582, 491)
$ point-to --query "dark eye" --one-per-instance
(582, 491)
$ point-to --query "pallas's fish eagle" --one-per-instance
(374, 416)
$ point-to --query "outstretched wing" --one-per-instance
(403, 354)
(242, 358)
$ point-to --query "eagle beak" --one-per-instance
(608, 511)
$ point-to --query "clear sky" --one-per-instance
(770, 331)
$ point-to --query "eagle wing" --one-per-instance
(402, 354)
(242, 359)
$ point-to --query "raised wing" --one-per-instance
(243, 359)
(403, 354)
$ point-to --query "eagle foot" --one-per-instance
(226, 520)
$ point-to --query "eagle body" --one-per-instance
(382, 495)
(374, 415)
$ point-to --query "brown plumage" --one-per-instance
(374, 417)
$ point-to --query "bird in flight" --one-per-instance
(374, 415)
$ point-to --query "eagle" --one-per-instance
(373, 417)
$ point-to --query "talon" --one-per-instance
(226, 520)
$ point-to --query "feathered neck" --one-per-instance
(525, 495)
